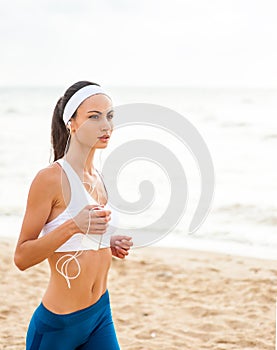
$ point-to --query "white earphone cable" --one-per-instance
(63, 270)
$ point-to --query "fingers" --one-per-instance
(103, 222)
(100, 216)
(120, 238)
(124, 244)
(99, 208)
(121, 245)
(100, 213)
(94, 206)
(121, 241)
(121, 253)
(99, 220)
(99, 228)
(121, 256)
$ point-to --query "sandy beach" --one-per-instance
(162, 299)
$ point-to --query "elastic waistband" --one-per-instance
(61, 320)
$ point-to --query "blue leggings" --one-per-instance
(91, 328)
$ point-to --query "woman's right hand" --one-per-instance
(92, 219)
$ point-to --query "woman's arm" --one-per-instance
(30, 249)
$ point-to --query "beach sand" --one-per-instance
(162, 299)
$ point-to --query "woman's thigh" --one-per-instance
(104, 338)
(43, 337)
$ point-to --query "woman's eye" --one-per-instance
(94, 116)
(110, 116)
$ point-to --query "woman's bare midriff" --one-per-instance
(86, 289)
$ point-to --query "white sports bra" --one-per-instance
(79, 199)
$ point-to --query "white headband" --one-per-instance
(79, 96)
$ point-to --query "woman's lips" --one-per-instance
(104, 138)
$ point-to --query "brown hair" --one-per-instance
(59, 132)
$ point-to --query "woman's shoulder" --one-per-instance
(48, 177)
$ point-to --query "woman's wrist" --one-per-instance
(71, 227)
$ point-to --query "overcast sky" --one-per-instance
(146, 42)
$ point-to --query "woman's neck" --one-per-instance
(80, 157)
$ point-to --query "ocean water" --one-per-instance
(238, 125)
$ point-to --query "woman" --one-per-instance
(67, 204)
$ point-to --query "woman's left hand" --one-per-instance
(120, 246)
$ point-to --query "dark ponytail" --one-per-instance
(59, 132)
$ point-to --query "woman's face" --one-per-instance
(93, 120)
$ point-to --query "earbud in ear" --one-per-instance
(68, 126)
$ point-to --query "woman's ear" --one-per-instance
(73, 126)
(68, 126)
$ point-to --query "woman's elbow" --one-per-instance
(19, 261)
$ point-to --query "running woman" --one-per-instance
(69, 222)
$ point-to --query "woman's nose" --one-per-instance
(106, 126)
